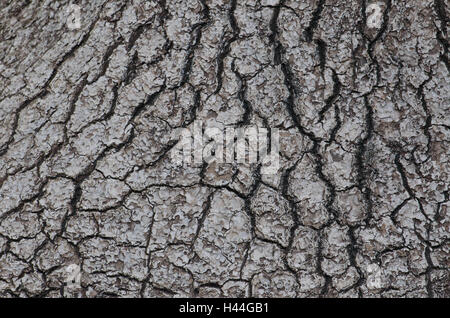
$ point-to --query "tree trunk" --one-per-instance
(93, 93)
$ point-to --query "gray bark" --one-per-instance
(358, 208)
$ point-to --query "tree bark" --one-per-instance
(89, 105)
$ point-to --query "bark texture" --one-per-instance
(358, 208)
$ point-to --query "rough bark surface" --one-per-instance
(86, 178)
